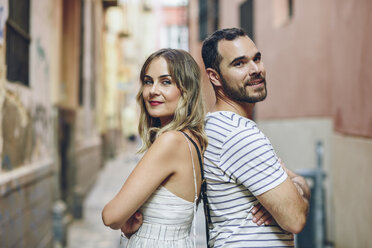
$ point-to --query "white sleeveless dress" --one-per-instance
(167, 220)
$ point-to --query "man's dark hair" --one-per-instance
(210, 54)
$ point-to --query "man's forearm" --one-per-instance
(302, 187)
(299, 182)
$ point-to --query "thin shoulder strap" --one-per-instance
(199, 154)
(203, 192)
(195, 186)
(193, 169)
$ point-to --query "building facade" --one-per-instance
(50, 144)
(317, 56)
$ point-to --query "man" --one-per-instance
(240, 165)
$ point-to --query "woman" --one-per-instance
(166, 182)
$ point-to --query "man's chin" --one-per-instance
(259, 98)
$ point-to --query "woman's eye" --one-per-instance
(167, 82)
(147, 82)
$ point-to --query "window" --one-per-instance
(246, 17)
(208, 17)
(18, 41)
(216, 8)
(203, 19)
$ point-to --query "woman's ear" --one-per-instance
(213, 76)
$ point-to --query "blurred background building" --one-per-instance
(69, 75)
(317, 55)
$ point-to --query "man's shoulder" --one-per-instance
(228, 123)
(228, 120)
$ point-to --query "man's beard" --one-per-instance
(241, 94)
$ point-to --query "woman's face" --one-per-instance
(160, 92)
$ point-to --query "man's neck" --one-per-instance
(241, 108)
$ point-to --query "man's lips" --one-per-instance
(255, 82)
(155, 103)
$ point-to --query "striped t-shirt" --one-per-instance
(240, 163)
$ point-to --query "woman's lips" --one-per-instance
(155, 103)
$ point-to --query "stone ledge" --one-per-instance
(17, 178)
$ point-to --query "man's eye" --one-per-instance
(238, 63)
(257, 59)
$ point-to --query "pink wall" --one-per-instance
(351, 67)
(229, 13)
(296, 57)
(175, 16)
(318, 64)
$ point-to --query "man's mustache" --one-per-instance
(255, 79)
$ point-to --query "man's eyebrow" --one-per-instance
(237, 59)
(258, 54)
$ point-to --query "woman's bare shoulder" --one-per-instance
(170, 139)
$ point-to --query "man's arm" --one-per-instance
(299, 182)
(261, 215)
(288, 202)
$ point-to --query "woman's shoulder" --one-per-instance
(170, 146)
(170, 139)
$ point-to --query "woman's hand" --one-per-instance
(132, 225)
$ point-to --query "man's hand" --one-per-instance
(260, 215)
(300, 183)
(132, 225)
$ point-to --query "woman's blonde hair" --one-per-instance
(189, 113)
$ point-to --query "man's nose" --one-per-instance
(253, 68)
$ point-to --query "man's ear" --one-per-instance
(213, 76)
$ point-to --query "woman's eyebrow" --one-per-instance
(161, 76)
(165, 75)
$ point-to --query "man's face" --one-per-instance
(242, 73)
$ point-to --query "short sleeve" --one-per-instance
(249, 159)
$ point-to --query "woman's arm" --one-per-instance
(157, 164)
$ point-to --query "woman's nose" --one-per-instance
(154, 89)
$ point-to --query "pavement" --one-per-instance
(89, 232)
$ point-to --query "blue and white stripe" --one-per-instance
(240, 163)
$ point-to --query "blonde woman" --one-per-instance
(165, 185)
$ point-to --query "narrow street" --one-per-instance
(90, 232)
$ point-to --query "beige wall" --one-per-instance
(294, 141)
(352, 202)
(70, 74)
(28, 113)
(27, 180)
